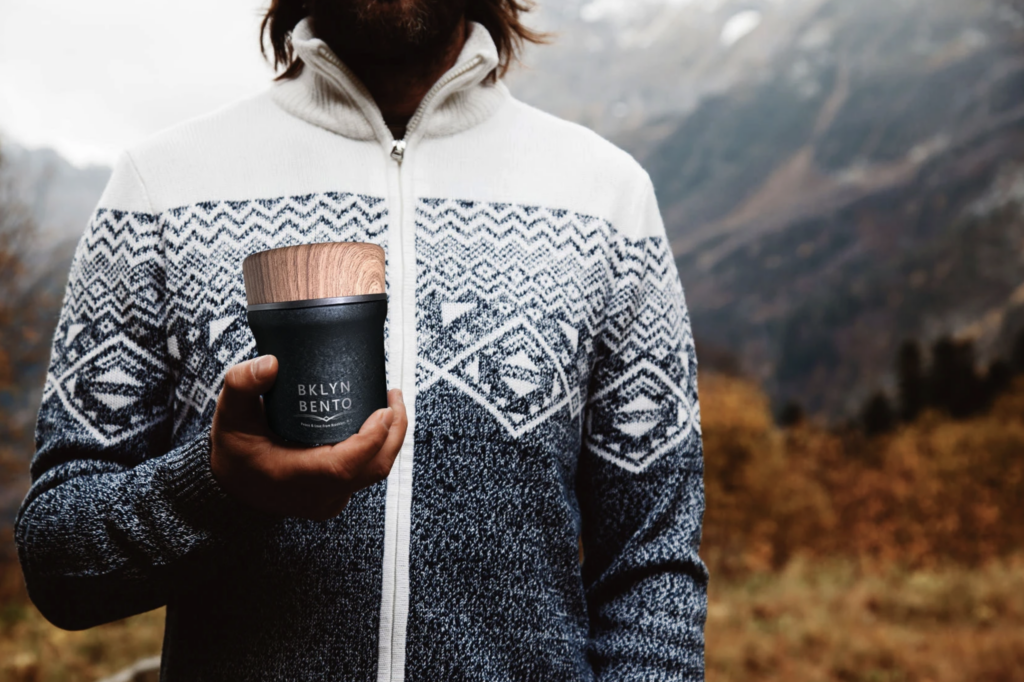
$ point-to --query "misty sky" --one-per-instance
(91, 77)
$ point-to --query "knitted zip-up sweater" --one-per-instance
(536, 326)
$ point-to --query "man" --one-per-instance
(536, 328)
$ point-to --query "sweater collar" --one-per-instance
(328, 94)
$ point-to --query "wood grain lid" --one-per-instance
(310, 271)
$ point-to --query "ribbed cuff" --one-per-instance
(190, 482)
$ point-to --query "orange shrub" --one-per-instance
(764, 502)
(934, 491)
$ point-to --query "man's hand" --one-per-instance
(263, 471)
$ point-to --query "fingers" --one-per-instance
(365, 457)
(347, 458)
(314, 483)
(239, 401)
(396, 435)
(378, 468)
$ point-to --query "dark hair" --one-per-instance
(501, 18)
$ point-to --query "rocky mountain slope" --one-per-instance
(835, 176)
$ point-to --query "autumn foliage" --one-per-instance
(933, 492)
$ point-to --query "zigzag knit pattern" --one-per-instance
(103, 361)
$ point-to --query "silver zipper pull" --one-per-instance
(398, 150)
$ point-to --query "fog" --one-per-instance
(90, 78)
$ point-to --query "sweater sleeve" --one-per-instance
(116, 520)
(641, 485)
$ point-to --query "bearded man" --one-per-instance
(538, 346)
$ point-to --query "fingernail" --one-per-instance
(262, 366)
(400, 396)
(387, 417)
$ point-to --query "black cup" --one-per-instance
(331, 374)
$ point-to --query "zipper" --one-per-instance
(432, 93)
(397, 150)
(398, 146)
(397, 153)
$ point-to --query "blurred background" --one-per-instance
(843, 185)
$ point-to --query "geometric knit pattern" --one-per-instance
(646, 403)
(510, 299)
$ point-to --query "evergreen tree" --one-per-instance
(912, 381)
(792, 414)
(954, 385)
(997, 380)
(1017, 353)
(878, 415)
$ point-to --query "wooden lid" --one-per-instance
(306, 271)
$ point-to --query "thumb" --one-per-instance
(239, 401)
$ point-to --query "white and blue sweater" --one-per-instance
(536, 325)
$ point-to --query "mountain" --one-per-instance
(59, 195)
(835, 177)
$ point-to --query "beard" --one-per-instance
(392, 31)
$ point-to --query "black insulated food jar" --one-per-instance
(320, 309)
(330, 354)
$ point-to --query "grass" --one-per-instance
(835, 622)
(820, 621)
(32, 650)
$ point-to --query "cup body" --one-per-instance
(331, 373)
